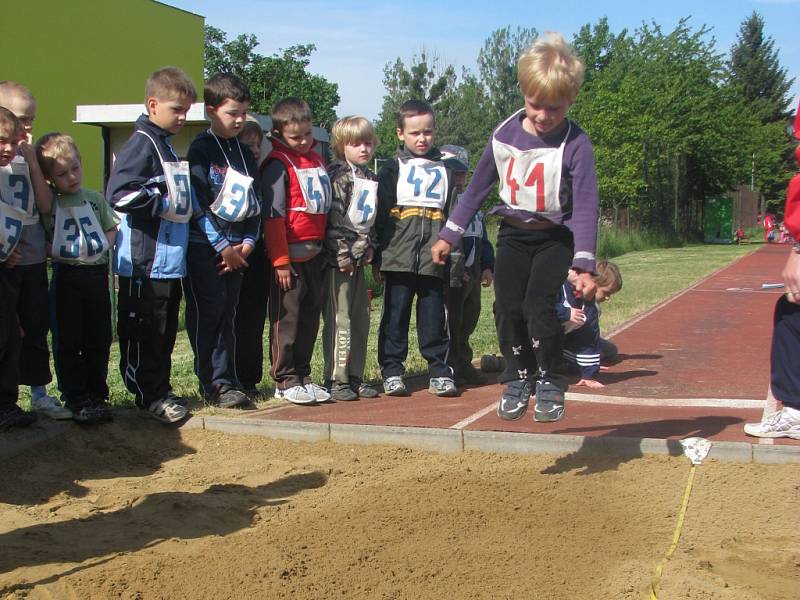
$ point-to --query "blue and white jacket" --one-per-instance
(147, 246)
(581, 342)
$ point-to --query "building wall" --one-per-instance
(95, 52)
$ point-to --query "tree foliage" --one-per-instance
(271, 78)
(497, 66)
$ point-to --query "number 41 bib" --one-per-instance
(530, 180)
(421, 182)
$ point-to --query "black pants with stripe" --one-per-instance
(83, 326)
(251, 317)
(530, 268)
(10, 342)
(147, 323)
(30, 287)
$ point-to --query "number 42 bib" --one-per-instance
(421, 182)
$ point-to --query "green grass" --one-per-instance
(649, 276)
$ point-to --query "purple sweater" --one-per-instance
(579, 198)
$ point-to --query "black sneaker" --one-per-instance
(549, 403)
(175, 399)
(514, 401)
(232, 398)
(471, 376)
(364, 390)
(14, 416)
(102, 409)
(343, 392)
(86, 414)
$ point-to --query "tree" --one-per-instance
(755, 71)
(271, 78)
(497, 66)
(424, 79)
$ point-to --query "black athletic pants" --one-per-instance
(786, 353)
(30, 288)
(463, 313)
(251, 317)
(10, 342)
(530, 268)
(83, 325)
(147, 323)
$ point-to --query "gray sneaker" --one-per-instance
(296, 395)
(549, 403)
(50, 407)
(514, 401)
(343, 392)
(319, 393)
(394, 386)
(443, 386)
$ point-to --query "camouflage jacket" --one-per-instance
(343, 245)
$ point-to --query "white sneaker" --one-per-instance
(319, 393)
(784, 423)
(296, 394)
(49, 406)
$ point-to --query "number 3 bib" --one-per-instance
(530, 180)
(363, 202)
(176, 176)
(10, 229)
(421, 182)
(236, 200)
(77, 234)
(16, 190)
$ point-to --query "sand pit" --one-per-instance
(134, 510)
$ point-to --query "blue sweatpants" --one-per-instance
(785, 359)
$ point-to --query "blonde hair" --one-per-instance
(350, 130)
(12, 88)
(52, 147)
(8, 120)
(608, 275)
(169, 83)
(550, 69)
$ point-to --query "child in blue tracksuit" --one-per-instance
(222, 172)
(149, 189)
(581, 321)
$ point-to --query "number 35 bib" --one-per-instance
(530, 180)
(77, 234)
(176, 176)
(16, 190)
(421, 182)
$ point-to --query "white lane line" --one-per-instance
(667, 402)
(474, 417)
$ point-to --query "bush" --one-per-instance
(612, 241)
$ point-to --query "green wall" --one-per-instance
(70, 52)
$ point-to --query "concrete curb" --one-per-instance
(421, 438)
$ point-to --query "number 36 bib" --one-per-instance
(421, 182)
(16, 190)
(530, 180)
(77, 234)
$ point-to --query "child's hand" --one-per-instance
(349, 269)
(13, 260)
(585, 285)
(27, 151)
(283, 275)
(791, 278)
(244, 249)
(487, 277)
(590, 383)
(376, 274)
(577, 316)
(369, 255)
(231, 260)
(439, 252)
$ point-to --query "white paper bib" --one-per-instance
(11, 221)
(530, 180)
(421, 182)
(236, 200)
(77, 234)
(475, 227)
(363, 204)
(315, 186)
(16, 190)
(179, 193)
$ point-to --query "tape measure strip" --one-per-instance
(675, 537)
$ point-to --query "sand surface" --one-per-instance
(137, 511)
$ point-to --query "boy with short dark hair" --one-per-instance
(220, 242)
(550, 206)
(297, 196)
(415, 193)
(11, 218)
(149, 187)
(82, 229)
(22, 184)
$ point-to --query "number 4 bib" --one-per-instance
(363, 203)
(421, 182)
(530, 180)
